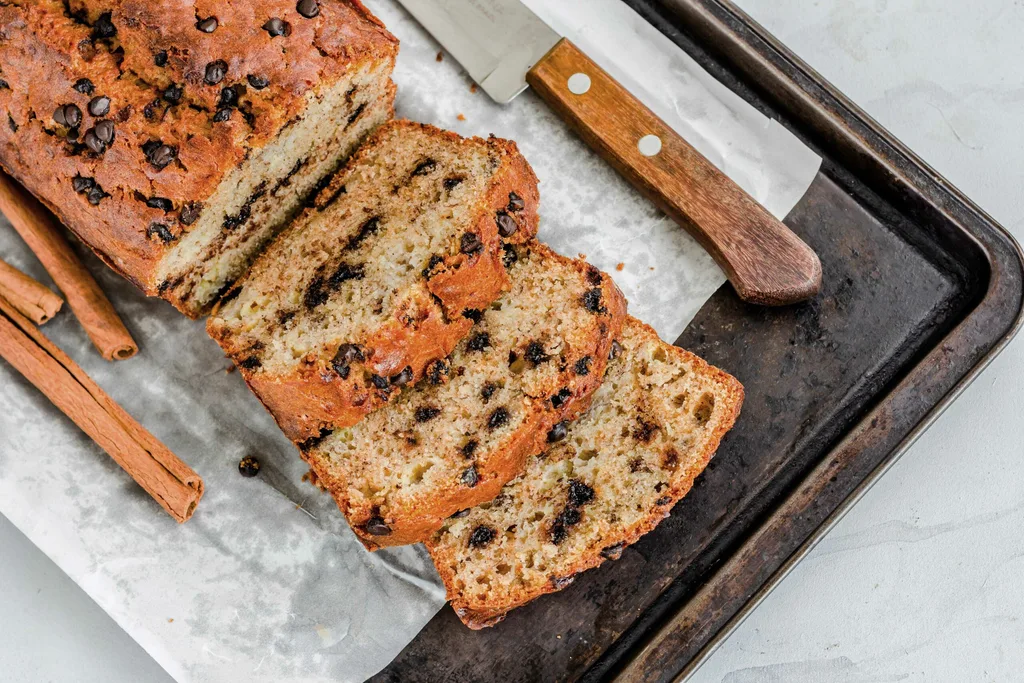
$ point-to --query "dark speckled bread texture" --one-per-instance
(368, 288)
(529, 365)
(650, 431)
(176, 137)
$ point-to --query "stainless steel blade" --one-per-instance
(496, 41)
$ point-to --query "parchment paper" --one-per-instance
(266, 582)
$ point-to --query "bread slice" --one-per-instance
(378, 280)
(529, 365)
(174, 150)
(651, 429)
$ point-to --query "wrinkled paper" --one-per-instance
(266, 582)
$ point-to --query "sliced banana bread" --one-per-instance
(176, 138)
(380, 278)
(651, 429)
(530, 364)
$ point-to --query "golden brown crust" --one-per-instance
(313, 399)
(730, 393)
(413, 522)
(45, 51)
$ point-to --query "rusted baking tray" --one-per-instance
(921, 290)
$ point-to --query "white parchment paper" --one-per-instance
(266, 582)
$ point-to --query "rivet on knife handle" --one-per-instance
(764, 260)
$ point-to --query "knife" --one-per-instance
(505, 47)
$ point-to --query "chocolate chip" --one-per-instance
(488, 391)
(481, 536)
(558, 432)
(664, 500)
(104, 28)
(460, 514)
(229, 97)
(93, 142)
(559, 399)
(222, 115)
(473, 314)
(479, 342)
(11, 123)
(509, 256)
(535, 353)
(105, 131)
(515, 202)
(613, 552)
(190, 213)
(506, 224)
(160, 58)
(277, 27)
(377, 527)
(160, 231)
(346, 355)
(257, 82)
(644, 431)
(570, 516)
(616, 350)
(470, 476)
(356, 114)
(582, 366)
(95, 195)
(426, 413)
(208, 25)
(173, 93)
(99, 106)
(591, 301)
(369, 227)
(314, 441)
(158, 154)
(438, 371)
(424, 167)
(470, 243)
(84, 86)
(68, 115)
(164, 205)
(250, 363)
(346, 272)
(470, 448)
(594, 276)
(249, 466)
(82, 184)
(215, 72)
(308, 8)
(452, 182)
(402, 378)
(499, 418)
(579, 493)
(434, 262)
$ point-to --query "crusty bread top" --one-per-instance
(165, 78)
(651, 429)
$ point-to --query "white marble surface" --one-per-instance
(920, 580)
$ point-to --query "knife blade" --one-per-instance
(505, 47)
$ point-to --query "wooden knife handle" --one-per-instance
(766, 263)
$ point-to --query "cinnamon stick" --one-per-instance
(88, 302)
(172, 483)
(32, 299)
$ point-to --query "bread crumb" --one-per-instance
(620, 266)
(652, 267)
(461, 117)
(472, 87)
(229, 369)
(440, 56)
(170, 620)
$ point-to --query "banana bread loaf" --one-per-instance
(176, 138)
(651, 429)
(379, 279)
(530, 364)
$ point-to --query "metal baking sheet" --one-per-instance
(921, 290)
